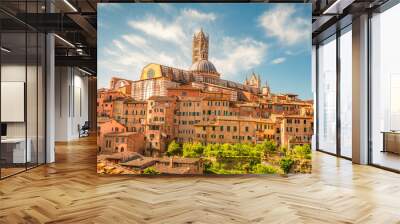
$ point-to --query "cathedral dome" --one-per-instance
(203, 66)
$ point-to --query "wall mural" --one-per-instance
(204, 89)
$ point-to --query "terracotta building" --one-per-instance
(115, 142)
(159, 125)
(196, 105)
(105, 101)
(235, 129)
(130, 113)
(166, 165)
(107, 125)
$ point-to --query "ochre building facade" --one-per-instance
(196, 105)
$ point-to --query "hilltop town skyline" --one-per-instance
(192, 121)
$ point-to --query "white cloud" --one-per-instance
(128, 54)
(174, 31)
(239, 56)
(197, 15)
(135, 40)
(129, 63)
(278, 60)
(293, 53)
(283, 23)
(119, 45)
(155, 28)
(168, 8)
(289, 52)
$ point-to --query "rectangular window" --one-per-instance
(327, 95)
(385, 88)
(346, 93)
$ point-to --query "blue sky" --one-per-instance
(273, 40)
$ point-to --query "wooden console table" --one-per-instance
(391, 141)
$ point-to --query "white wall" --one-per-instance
(33, 126)
(71, 102)
(9, 73)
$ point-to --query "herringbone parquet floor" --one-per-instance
(70, 191)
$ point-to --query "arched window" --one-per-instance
(122, 149)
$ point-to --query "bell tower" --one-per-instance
(200, 47)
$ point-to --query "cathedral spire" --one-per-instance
(200, 47)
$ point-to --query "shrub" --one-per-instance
(286, 164)
(174, 149)
(263, 169)
(302, 151)
(150, 171)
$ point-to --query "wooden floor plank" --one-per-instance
(70, 191)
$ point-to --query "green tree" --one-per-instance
(174, 149)
(150, 171)
(193, 150)
(269, 146)
(286, 164)
(255, 151)
(248, 149)
(303, 152)
(208, 150)
(227, 150)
